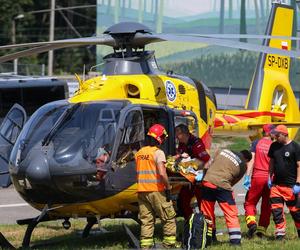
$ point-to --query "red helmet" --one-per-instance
(158, 132)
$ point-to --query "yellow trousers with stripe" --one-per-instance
(152, 205)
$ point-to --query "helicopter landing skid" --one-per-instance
(91, 221)
(133, 241)
(31, 224)
(4, 243)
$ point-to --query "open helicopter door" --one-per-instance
(9, 131)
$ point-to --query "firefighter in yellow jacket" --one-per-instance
(154, 190)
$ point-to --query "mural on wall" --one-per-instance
(211, 64)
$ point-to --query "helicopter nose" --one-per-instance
(38, 168)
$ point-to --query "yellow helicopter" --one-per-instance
(52, 164)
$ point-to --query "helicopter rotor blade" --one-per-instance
(109, 41)
(229, 44)
(246, 36)
(101, 40)
(142, 39)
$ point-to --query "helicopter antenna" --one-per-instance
(83, 72)
(227, 96)
(122, 52)
(99, 64)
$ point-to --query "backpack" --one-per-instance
(195, 232)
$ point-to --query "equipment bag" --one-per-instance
(195, 232)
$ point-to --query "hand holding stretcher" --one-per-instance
(187, 167)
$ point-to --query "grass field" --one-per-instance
(50, 235)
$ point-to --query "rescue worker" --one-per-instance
(225, 170)
(258, 186)
(153, 189)
(189, 146)
(285, 168)
(102, 158)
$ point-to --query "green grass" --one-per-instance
(51, 233)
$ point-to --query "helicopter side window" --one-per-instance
(153, 115)
(132, 137)
(104, 133)
(190, 121)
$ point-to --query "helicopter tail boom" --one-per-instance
(270, 98)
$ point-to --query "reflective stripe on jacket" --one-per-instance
(148, 177)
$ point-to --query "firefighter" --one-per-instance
(225, 170)
(189, 146)
(153, 189)
(284, 156)
(258, 186)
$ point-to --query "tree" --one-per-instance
(10, 9)
(222, 11)
(243, 26)
(257, 20)
(262, 10)
(230, 8)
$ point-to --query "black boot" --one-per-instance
(214, 236)
(251, 230)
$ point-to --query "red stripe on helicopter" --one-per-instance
(218, 122)
(230, 119)
(207, 138)
(256, 114)
(244, 116)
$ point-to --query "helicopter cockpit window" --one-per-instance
(72, 131)
(132, 137)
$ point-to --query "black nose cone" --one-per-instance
(37, 170)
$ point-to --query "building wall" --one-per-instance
(236, 97)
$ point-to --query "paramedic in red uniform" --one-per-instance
(189, 146)
(225, 170)
(285, 168)
(258, 186)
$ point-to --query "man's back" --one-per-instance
(261, 160)
(226, 170)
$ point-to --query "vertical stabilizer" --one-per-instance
(270, 90)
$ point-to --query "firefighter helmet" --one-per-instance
(158, 132)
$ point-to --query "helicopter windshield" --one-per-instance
(70, 129)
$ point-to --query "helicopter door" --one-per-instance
(132, 137)
(9, 131)
(128, 141)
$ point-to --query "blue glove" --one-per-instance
(269, 182)
(296, 189)
(199, 177)
(247, 182)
